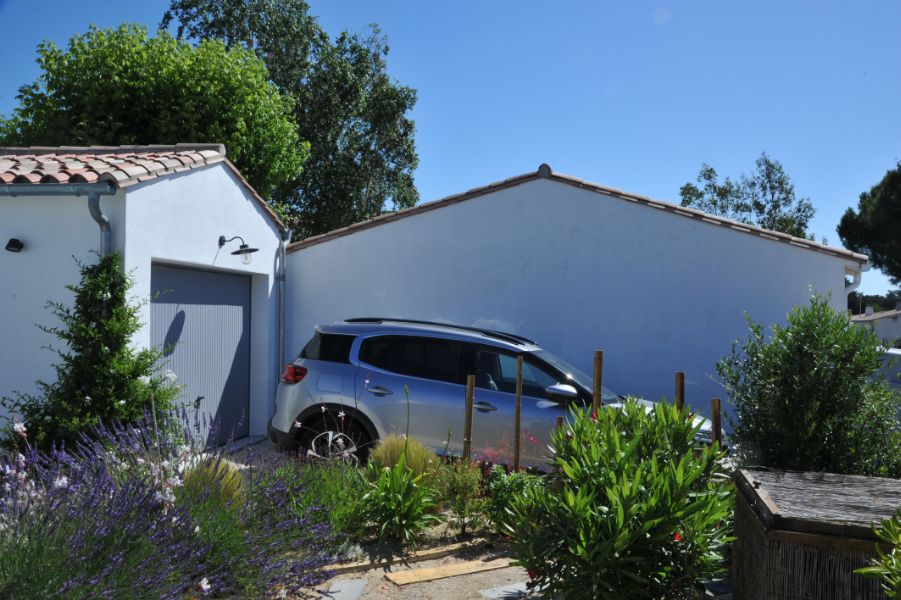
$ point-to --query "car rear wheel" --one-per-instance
(333, 439)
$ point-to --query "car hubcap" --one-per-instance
(333, 445)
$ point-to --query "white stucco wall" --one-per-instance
(177, 220)
(574, 270)
(53, 230)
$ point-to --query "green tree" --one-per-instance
(805, 399)
(874, 228)
(362, 155)
(101, 377)
(119, 87)
(766, 198)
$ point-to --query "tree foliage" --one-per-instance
(353, 114)
(805, 399)
(119, 87)
(766, 198)
(101, 378)
(874, 228)
(857, 302)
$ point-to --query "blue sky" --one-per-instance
(634, 95)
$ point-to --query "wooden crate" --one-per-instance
(799, 536)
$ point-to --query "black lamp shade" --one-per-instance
(14, 245)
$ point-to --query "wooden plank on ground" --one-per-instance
(451, 570)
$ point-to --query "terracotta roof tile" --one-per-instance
(121, 165)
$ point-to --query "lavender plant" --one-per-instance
(108, 518)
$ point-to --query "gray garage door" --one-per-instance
(202, 320)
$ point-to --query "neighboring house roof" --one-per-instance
(120, 166)
(877, 315)
(544, 172)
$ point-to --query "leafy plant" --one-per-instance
(101, 377)
(503, 487)
(887, 565)
(805, 400)
(418, 458)
(399, 502)
(634, 508)
(457, 483)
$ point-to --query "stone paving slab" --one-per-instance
(346, 589)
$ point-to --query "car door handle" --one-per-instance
(379, 390)
(484, 406)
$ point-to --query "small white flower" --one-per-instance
(323, 408)
(61, 482)
(205, 584)
(298, 424)
(403, 435)
(175, 520)
(20, 429)
(175, 482)
(165, 496)
(121, 402)
(87, 398)
(197, 529)
(341, 415)
(170, 376)
(144, 379)
(340, 443)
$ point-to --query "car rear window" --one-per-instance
(330, 347)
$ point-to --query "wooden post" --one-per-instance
(598, 378)
(680, 389)
(559, 421)
(517, 414)
(716, 420)
(467, 426)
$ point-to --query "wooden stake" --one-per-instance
(598, 385)
(559, 421)
(680, 390)
(467, 426)
(517, 415)
(717, 422)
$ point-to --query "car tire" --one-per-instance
(330, 438)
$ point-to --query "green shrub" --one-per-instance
(101, 377)
(887, 565)
(328, 492)
(634, 508)
(457, 483)
(418, 458)
(399, 502)
(502, 488)
(215, 477)
(805, 400)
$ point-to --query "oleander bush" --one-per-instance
(805, 398)
(502, 488)
(887, 564)
(634, 508)
(458, 485)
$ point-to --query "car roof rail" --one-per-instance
(501, 335)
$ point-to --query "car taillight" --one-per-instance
(293, 373)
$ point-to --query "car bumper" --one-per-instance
(283, 440)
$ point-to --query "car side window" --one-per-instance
(495, 370)
(427, 358)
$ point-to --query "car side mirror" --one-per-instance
(561, 392)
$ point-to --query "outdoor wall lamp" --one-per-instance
(244, 251)
(14, 245)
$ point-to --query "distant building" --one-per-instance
(885, 324)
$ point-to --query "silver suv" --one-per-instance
(346, 389)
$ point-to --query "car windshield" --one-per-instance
(575, 374)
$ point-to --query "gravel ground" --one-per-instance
(450, 588)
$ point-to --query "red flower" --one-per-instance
(594, 416)
(532, 439)
(677, 537)
(533, 574)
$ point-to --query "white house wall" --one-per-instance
(53, 230)
(177, 220)
(572, 269)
